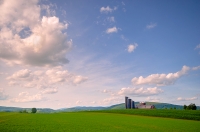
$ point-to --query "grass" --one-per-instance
(177, 114)
(91, 121)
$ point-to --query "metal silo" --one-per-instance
(129, 103)
(126, 102)
(132, 105)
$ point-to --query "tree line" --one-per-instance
(190, 107)
(33, 110)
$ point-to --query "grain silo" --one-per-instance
(129, 103)
(126, 102)
(132, 105)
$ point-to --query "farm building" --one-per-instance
(144, 106)
(130, 104)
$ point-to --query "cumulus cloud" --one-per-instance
(111, 30)
(26, 97)
(140, 91)
(186, 99)
(3, 96)
(160, 79)
(44, 79)
(45, 44)
(152, 25)
(21, 74)
(132, 47)
(107, 9)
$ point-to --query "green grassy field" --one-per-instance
(92, 122)
(177, 114)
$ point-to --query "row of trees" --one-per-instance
(190, 107)
(33, 110)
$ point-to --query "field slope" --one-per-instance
(92, 121)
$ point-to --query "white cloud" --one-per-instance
(111, 19)
(93, 102)
(19, 13)
(3, 96)
(107, 9)
(132, 47)
(43, 80)
(106, 91)
(44, 45)
(3, 73)
(198, 47)
(186, 99)
(152, 25)
(140, 91)
(13, 83)
(153, 99)
(111, 100)
(160, 79)
(78, 102)
(196, 68)
(49, 11)
(49, 91)
(25, 97)
(79, 79)
(111, 30)
(21, 74)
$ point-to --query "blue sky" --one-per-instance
(60, 54)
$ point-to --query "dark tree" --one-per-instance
(34, 110)
(192, 107)
(185, 107)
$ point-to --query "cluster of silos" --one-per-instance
(129, 103)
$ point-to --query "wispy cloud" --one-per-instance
(111, 100)
(196, 68)
(153, 99)
(49, 91)
(111, 19)
(111, 30)
(197, 47)
(152, 25)
(26, 97)
(44, 79)
(186, 99)
(107, 9)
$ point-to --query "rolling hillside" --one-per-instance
(84, 108)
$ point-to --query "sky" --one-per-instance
(65, 53)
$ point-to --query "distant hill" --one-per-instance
(17, 109)
(156, 104)
(80, 108)
(84, 108)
